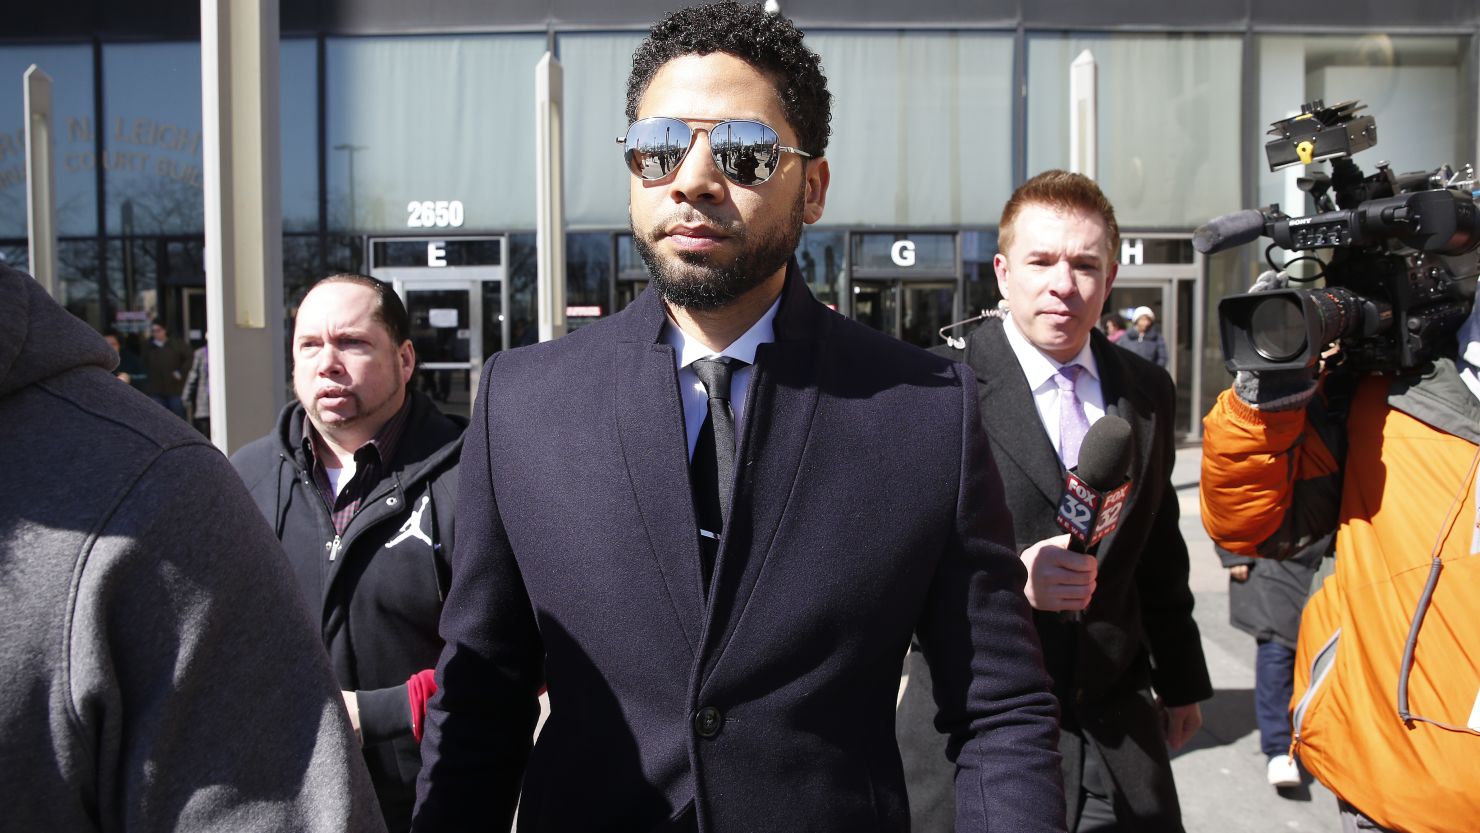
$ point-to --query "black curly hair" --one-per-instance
(770, 43)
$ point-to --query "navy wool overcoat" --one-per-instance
(866, 508)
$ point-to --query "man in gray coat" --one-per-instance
(160, 672)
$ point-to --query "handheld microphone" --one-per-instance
(1230, 230)
(1095, 490)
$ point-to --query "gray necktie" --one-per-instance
(1073, 422)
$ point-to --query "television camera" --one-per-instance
(1401, 247)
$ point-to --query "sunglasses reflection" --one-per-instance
(745, 152)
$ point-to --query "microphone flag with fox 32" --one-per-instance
(1096, 489)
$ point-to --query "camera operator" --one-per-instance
(1385, 709)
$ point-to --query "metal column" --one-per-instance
(243, 217)
(1084, 95)
(549, 104)
(41, 204)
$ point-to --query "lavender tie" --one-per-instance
(1073, 423)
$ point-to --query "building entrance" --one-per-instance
(912, 311)
(456, 295)
(1163, 272)
(905, 284)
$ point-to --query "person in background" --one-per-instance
(166, 361)
(1386, 667)
(129, 369)
(1114, 327)
(1265, 598)
(160, 671)
(1144, 339)
(197, 392)
(358, 480)
(1117, 629)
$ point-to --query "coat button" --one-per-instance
(707, 722)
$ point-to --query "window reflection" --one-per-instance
(979, 280)
(84, 292)
(71, 71)
(152, 139)
(298, 111)
(1415, 87)
(596, 65)
(16, 257)
(522, 275)
(921, 129)
(588, 271)
(413, 120)
(1169, 126)
(820, 256)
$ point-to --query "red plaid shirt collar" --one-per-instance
(371, 461)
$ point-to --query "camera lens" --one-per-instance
(1277, 327)
(1288, 328)
(1338, 310)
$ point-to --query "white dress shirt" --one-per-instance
(691, 391)
(1040, 370)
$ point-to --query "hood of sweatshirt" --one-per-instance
(39, 339)
(1438, 397)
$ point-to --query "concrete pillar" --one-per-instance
(41, 202)
(1084, 97)
(549, 104)
(243, 218)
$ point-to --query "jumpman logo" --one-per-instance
(412, 527)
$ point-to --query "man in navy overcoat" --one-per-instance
(711, 522)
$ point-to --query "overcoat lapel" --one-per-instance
(1009, 413)
(779, 410)
(650, 430)
(1124, 399)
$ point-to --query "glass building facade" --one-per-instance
(422, 129)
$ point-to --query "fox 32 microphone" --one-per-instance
(1096, 489)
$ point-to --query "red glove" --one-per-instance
(419, 689)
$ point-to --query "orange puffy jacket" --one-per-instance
(1404, 504)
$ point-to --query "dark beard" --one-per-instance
(692, 283)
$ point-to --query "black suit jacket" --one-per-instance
(1138, 632)
(866, 506)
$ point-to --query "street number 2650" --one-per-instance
(434, 213)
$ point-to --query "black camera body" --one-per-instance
(1401, 246)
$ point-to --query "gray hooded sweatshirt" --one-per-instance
(157, 669)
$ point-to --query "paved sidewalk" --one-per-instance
(1220, 773)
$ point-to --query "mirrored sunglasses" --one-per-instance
(746, 152)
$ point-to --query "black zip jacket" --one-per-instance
(378, 588)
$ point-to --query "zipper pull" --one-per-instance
(334, 548)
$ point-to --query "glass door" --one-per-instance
(1173, 306)
(876, 304)
(448, 327)
(912, 311)
(1131, 294)
(193, 308)
(627, 292)
(923, 309)
(456, 294)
